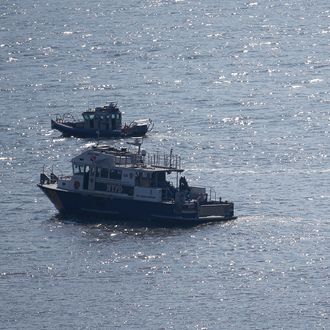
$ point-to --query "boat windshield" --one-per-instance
(80, 169)
(88, 116)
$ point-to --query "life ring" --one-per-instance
(76, 184)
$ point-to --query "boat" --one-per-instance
(129, 184)
(100, 122)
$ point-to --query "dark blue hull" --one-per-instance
(119, 209)
(77, 130)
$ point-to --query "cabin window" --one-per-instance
(93, 171)
(101, 172)
(115, 174)
(78, 169)
(154, 179)
(104, 173)
(161, 179)
(143, 179)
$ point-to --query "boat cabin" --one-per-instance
(140, 176)
(106, 118)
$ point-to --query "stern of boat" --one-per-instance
(138, 127)
(217, 209)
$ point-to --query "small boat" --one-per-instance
(100, 122)
(132, 185)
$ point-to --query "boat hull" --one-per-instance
(77, 130)
(111, 208)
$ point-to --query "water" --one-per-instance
(240, 90)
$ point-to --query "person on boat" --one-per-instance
(183, 184)
(125, 129)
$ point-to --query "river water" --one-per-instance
(241, 90)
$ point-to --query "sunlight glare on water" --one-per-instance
(240, 90)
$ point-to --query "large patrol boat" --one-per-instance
(130, 184)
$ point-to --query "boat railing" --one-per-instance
(163, 160)
(212, 194)
(47, 175)
(129, 160)
(155, 160)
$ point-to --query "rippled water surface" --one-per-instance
(241, 90)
